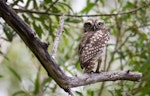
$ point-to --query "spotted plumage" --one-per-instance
(92, 44)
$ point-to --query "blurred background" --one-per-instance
(21, 74)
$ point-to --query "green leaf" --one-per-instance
(1, 76)
(27, 4)
(14, 73)
(78, 65)
(25, 19)
(47, 80)
(74, 20)
(66, 40)
(145, 65)
(64, 4)
(103, 2)
(90, 92)
(145, 91)
(37, 84)
(20, 93)
(55, 10)
(46, 83)
(129, 5)
(79, 93)
(1, 53)
(35, 3)
(8, 33)
(54, 88)
(16, 2)
(111, 92)
(118, 92)
(38, 29)
(88, 8)
(47, 1)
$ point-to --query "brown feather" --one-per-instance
(91, 48)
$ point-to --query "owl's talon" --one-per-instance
(92, 72)
(99, 71)
(128, 71)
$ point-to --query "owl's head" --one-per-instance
(93, 25)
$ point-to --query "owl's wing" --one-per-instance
(92, 44)
(83, 44)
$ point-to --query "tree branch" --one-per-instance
(86, 79)
(69, 15)
(39, 49)
(58, 36)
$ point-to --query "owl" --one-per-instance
(92, 45)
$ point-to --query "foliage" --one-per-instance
(129, 47)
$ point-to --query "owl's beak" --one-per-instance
(94, 27)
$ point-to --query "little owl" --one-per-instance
(92, 44)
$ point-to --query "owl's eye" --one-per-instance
(100, 23)
(88, 24)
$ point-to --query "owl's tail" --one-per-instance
(88, 66)
(91, 66)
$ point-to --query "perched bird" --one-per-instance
(92, 45)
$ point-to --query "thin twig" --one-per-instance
(58, 36)
(69, 15)
(52, 4)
